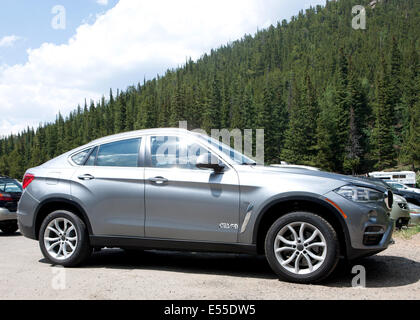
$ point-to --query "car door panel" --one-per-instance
(191, 204)
(113, 197)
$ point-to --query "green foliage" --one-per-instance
(345, 100)
(384, 152)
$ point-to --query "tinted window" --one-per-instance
(119, 154)
(10, 186)
(80, 157)
(91, 160)
(174, 152)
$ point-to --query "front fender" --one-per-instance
(288, 198)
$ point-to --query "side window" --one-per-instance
(175, 152)
(189, 156)
(9, 186)
(164, 151)
(92, 157)
(119, 154)
(79, 158)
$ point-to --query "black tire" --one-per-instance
(332, 247)
(82, 250)
(398, 224)
(133, 251)
(9, 228)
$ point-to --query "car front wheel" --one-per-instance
(302, 247)
(64, 239)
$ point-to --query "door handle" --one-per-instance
(158, 180)
(86, 177)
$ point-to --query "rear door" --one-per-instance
(110, 186)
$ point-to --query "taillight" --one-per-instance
(5, 197)
(27, 179)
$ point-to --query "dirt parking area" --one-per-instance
(116, 274)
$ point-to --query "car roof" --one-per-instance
(137, 133)
(129, 135)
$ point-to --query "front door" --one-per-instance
(184, 202)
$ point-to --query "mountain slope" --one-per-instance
(327, 95)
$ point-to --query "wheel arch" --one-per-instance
(49, 205)
(309, 203)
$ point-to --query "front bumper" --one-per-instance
(397, 213)
(6, 215)
(369, 226)
(415, 218)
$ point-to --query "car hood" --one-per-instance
(398, 198)
(274, 171)
(406, 193)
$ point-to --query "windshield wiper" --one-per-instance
(248, 163)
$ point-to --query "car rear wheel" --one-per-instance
(302, 247)
(64, 239)
(9, 228)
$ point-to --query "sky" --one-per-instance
(54, 55)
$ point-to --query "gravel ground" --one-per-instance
(115, 274)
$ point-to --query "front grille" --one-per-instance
(376, 229)
(373, 235)
(372, 239)
(389, 199)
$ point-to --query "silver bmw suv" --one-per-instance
(174, 189)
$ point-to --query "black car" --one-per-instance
(411, 197)
(10, 193)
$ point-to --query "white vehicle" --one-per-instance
(414, 214)
(405, 177)
(401, 186)
(400, 212)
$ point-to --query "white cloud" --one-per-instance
(132, 40)
(102, 2)
(8, 41)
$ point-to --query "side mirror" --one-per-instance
(209, 161)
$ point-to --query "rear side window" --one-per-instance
(79, 158)
(119, 154)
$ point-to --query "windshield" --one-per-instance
(8, 185)
(230, 152)
(391, 186)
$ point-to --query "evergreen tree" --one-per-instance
(177, 106)
(300, 137)
(347, 111)
(411, 147)
(384, 152)
(357, 105)
(213, 106)
(343, 110)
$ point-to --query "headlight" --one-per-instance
(360, 194)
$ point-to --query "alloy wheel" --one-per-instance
(300, 248)
(60, 238)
